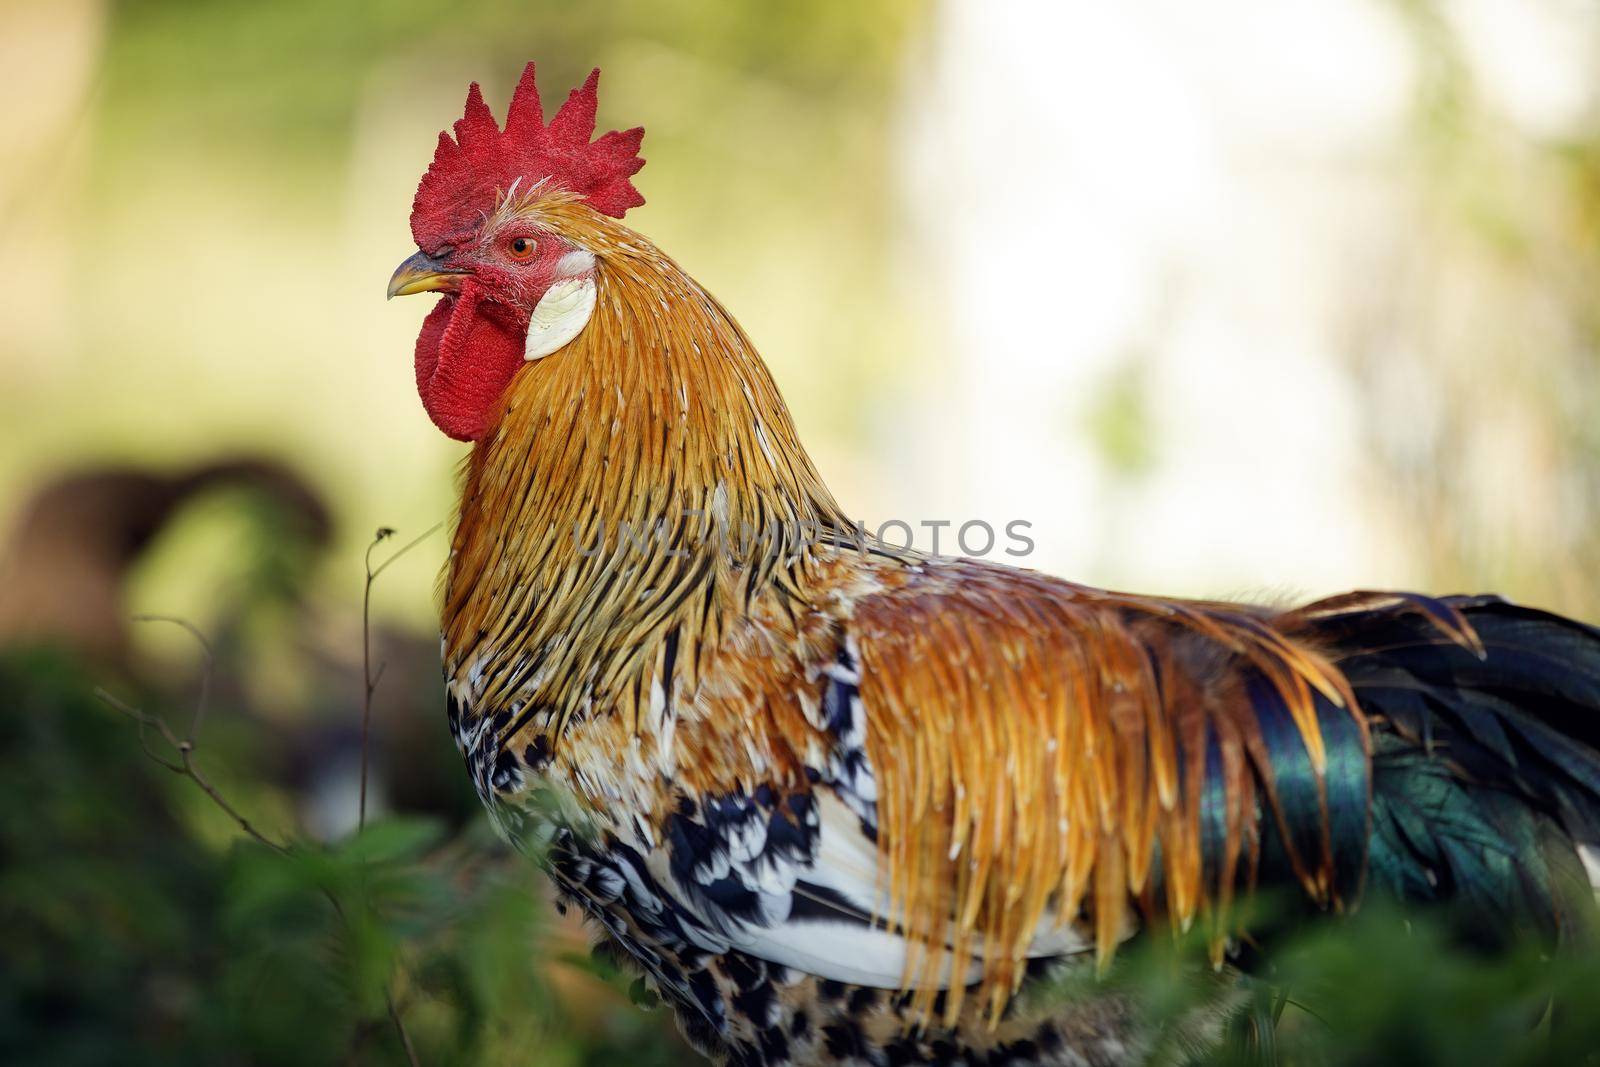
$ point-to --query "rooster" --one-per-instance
(843, 802)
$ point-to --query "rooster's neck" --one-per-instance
(642, 486)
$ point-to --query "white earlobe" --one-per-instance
(561, 314)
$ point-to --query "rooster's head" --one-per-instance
(516, 286)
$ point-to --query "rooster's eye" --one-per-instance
(519, 248)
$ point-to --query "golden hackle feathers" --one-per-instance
(592, 515)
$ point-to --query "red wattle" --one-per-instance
(464, 361)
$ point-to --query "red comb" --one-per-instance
(469, 172)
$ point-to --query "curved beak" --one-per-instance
(423, 274)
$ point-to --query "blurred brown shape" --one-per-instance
(64, 565)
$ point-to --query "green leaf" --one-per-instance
(392, 840)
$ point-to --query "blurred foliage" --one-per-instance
(283, 85)
(1119, 422)
(137, 934)
(1388, 988)
(1478, 355)
(143, 928)
(1382, 986)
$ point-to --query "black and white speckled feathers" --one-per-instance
(746, 1011)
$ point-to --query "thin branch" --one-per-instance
(369, 679)
(185, 750)
(370, 682)
(210, 658)
(403, 549)
(400, 1026)
(185, 766)
(1303, 1006)
(1282, 1002)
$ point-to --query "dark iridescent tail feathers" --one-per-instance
(1485, 775)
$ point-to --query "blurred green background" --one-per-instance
(1221, 301)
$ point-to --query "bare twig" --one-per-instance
(370, 682)
(185, 746)
(400, 1026)
(367, 676)
(185, 749)
(210, 659)
(1282, 1002)
(363, 1033)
